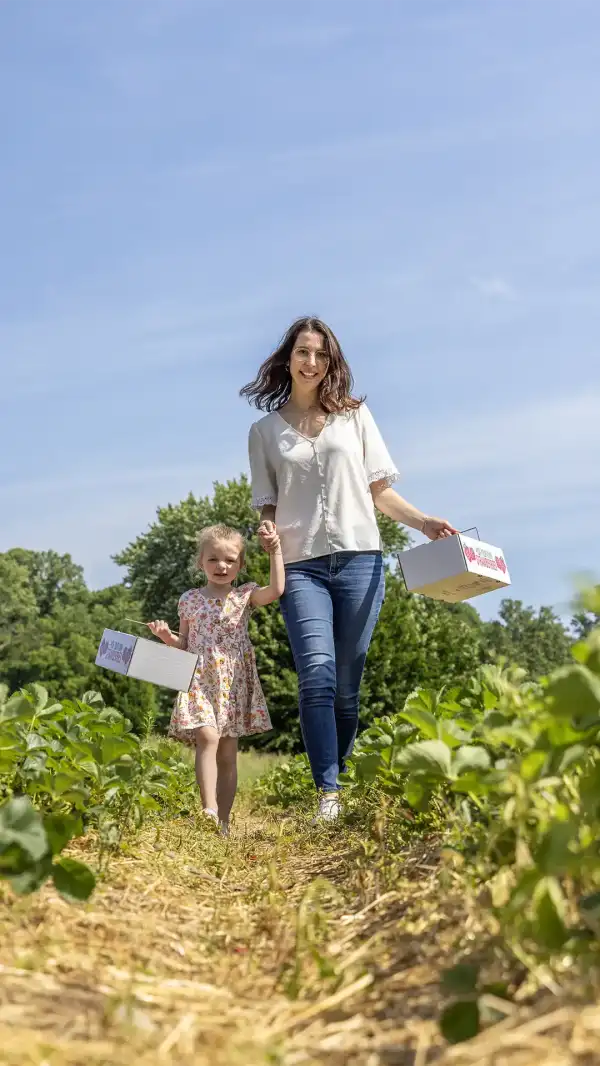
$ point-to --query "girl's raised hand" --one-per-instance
(161, 630)
(268, 536)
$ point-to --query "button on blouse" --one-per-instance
(320, 487)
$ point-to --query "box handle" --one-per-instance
(470, 530)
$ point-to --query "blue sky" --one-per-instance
(181, 178)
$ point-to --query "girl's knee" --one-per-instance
(207, 738)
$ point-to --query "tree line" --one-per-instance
(51, 622)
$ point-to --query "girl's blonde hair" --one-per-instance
(210, 534)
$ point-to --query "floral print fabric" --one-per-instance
(226, 692)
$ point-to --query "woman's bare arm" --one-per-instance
(396, 507)
(267, 514)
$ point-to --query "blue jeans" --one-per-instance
(330, 607)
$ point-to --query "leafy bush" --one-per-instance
(516, 767)
(70, 766)
(288, 783)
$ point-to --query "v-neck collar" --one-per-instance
(311, 440)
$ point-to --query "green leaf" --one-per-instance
(470, 757)
(114, 748)
(573, 755)
(471, 782)
(63, 781)
(553, 855)
(34, 741)
(490, 699)
(92, 699)
(40, 695)
(452, 734)
(561, 733)
(574, 692)
(525, 889)
(74, 880)
(423, 720)
(60, 829)
(21, 824)
(549, 928)
(367, 766)
(30, 879)
(461, 979)
(425, 756)
(415, 793)
(532, 765)
(13, 859)
(380, 743)
(18, 707)
(460, 1021)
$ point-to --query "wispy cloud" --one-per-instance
(495, 288)
(552, 439)
(301, 35)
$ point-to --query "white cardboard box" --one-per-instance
(454, 568)
(146, 660)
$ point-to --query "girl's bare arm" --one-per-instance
(163, 631)
(261, 597)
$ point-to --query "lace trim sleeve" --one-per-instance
(390, 476)
(263, 501)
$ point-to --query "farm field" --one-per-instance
(281, 945)
(450, 917)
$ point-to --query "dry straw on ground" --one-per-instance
(280, 946)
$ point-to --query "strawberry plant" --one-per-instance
(511, 772)
(70, 766)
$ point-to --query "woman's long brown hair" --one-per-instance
(272, 387)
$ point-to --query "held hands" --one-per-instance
(268, 537)
(437, 528)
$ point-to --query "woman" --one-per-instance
(320, 469)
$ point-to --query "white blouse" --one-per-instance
(320, 486)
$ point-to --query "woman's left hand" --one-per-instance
(436, 528)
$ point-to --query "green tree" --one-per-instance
(18, 605)
(54, 579)
(50, 628)
(587, 612)
(538, 642)
(418, 641)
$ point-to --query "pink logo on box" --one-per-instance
(483, 557)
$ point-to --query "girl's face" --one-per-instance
(309, 362)
(221, 561)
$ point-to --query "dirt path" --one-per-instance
(281, 946)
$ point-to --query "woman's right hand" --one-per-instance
(161, 630)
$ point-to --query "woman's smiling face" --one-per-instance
(309, 361)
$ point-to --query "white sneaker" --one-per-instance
(210, 818)
(329, 809)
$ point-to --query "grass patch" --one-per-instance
(282, 945)
(251, 764)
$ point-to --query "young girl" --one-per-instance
(225, 700)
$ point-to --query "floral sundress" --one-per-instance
(226, 692)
